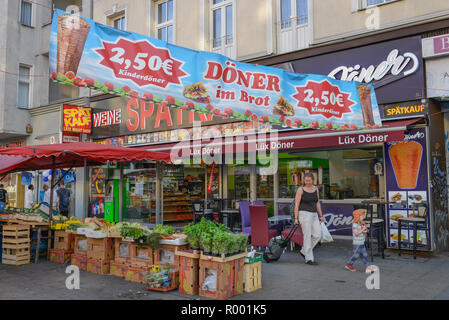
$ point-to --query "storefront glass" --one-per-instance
(238, 182)
(265, 189)
(140, 192)
(181, 185)
(339, 174)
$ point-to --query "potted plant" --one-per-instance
(243, 241)
(206, 241)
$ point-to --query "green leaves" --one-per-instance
(164, 229)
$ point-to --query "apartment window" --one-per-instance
(120, 23)
(165, 21)
(23, 99)
(26, 13)
(222, 21)
(291, 9)
(377, 2)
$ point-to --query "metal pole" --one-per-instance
(50, 205)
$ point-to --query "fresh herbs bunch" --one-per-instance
(164, 229)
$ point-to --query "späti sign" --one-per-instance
(76, 119)
(405, 109)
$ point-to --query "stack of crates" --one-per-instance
(100, 252)
(63, 246)
(16, 244)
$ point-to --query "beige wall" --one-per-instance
(252, 27)
(188, 27)
(335, 19)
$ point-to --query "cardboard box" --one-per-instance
(100, 249)
(141, 255)
(59, 256)
(80, 247)
(117, 269)
(136, 274)
(79, 261)
(64, 241)
(224, 273)
(188, 275)
(122, 251)
(96, 266)
(167, 254)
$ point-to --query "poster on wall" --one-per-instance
(97, 192)
(76, 119)
(159, 76)
(406, 183)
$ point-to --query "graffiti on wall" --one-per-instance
(440, 201)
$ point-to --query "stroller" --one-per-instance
(277, 245)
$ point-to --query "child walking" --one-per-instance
(359, 231)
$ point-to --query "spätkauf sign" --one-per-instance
(87, 54)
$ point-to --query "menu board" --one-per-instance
(407, 184)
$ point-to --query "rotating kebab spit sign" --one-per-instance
(160, 75)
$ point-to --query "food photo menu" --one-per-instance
(407, 184)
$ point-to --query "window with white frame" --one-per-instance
(377, 2)
(120, 23)
(23, 96)
(165, 20)
(222, 23)
(291, 10)
(26, 10)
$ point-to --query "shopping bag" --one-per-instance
(325, 234)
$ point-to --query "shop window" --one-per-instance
(140, 192)
(181, 185)
(339, 174)
(265, 189)
(238, 182)
(24, 82)
(26, 13)
(165, 21)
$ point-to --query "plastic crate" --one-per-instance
(257, 257)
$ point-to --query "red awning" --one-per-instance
(391, 131)
(71, 155)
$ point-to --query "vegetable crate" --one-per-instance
(79, 261)
(59, 256)
(136, 274)
(64, 241)
(122, 251)
(96, 266)
(16, 245)
(100, 249)
(188, 271)
(225, 272)
(141, 255)
(80, 247)
(117, 269)
(166, 254)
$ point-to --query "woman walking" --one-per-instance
(307, 205)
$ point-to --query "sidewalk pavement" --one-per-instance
(287, 279)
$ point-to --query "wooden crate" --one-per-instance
(80, 247)
(79, 261)
(59, 256)
(64, 241)
(96, 266)
(16, 257)
(117, 269)
(252, 276)
(16, 244)
(122, 251)
(136, 274)
(100, 249)
(239, 265)
(141, 255)
(188, 275)
(174, 284)
(167, 254)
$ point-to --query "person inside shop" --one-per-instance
(3, 198)
(29, 197)
(185, 187)
(307, 208)
(359, 231)
(47, 196)
(63, 199)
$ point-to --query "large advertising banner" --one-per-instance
(87, 54)
(406, 184)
